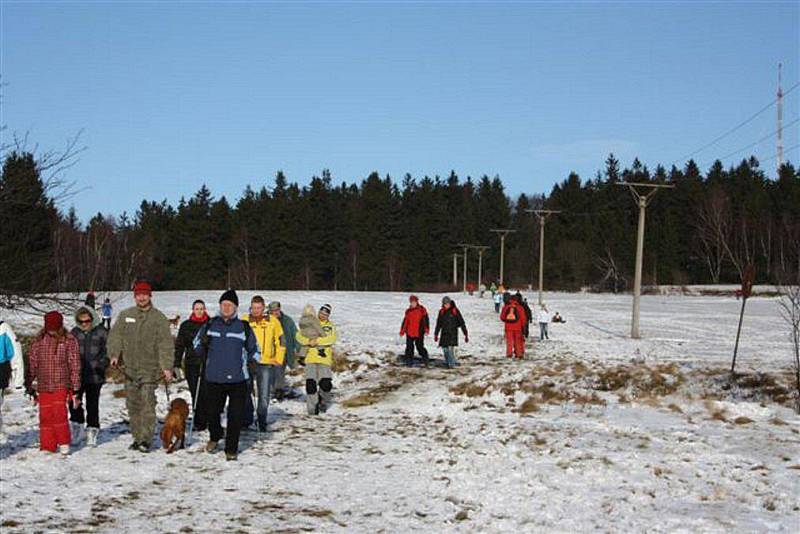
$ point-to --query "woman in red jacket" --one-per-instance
(513, 315)
(54, 364)
(415, 325)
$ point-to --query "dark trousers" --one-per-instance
(418, 342)
(194, 374)
(107, 322)
(236, 395)
(92, 403)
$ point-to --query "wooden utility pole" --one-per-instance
(503, 232)
(642, 194)
(455, 269)
(464, 276)
(480, 249)
(542, 215)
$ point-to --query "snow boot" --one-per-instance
(91, 436)
(211, 446)
(230, 456)
(143, 447)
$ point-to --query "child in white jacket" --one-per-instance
(544, 320)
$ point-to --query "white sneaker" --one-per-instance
(63, 449)
(91, 436)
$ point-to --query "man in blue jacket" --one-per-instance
(229, 346)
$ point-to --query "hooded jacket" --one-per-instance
(92, 348)
(415, 322)
(269, 334)
(447, 324)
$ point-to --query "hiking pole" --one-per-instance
(194, 404)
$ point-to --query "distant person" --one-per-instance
(448, 322)
(482, 289)
(528, 318)
(141, 339)
(92, 337)
(498, 301)
(558, 319)
(90, 299)
(54, 365)
(318, 350)
(493, 289)
(186, 357)
(513, 315)
(544, 320)
(107, 310)
(415, 326)
(229, 346)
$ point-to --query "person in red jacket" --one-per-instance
(415, 325)
(513, 315)
(54, 363)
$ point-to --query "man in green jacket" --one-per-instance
(141, 337)
(281, 387)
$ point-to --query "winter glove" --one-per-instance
(302, 361)
(466, 338)
(177, 374)
(435, 338)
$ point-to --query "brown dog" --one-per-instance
(174, 429)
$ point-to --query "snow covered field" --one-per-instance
(592, 431)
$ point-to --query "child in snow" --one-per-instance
(447, 324)
(318, 359)
(544, 320)
(55, 365)
(513, 315)
(558, 319)
(498, 300)
(415, 325)
(107, 314)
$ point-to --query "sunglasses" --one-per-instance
(85, 321)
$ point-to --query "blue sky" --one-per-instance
(171, 97)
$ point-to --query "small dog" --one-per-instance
(174, 429)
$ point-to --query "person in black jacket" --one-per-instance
(528, 315)
(446, 333)
(92, 337)
(185, 354)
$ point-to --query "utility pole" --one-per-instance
(642, 199)
(503, 232)
(542, 215)
(480, 249)
(466, 247)
(779, 145)
(455, 269)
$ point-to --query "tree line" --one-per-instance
(387, 234)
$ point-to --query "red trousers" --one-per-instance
(53, 422)
(515, 344)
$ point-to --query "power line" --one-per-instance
(727, 133)
(751, 145)
(776, 156)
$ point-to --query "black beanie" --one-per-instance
(231, 296)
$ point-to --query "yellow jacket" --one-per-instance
(323, 351)
(269, 334)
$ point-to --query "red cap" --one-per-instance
(413, 298)
(53, 321)
(142, 287)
